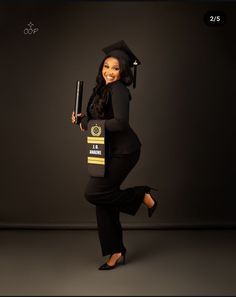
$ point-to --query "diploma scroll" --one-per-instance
(78, 100)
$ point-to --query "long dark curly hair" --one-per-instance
(101, 91)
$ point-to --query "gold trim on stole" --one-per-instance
(96, 160)
(96, 140)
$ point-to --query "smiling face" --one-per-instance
(111, 70)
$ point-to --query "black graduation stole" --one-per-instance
(96, 147)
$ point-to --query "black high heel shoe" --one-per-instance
(105, 266)
(153, 193)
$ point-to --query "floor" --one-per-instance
(159, 263)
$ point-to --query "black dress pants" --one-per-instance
(110, 200)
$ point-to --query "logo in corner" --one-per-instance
(30, 30)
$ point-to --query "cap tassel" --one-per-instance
(135, 73)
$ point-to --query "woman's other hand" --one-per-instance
(73, 119)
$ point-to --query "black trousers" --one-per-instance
(110, 200)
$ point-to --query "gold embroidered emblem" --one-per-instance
(96, 130)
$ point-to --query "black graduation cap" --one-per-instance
(121, 50)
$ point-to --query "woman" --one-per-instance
(110, 102)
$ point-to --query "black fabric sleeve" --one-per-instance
(84, 122)
(86, 118)
(120, 105)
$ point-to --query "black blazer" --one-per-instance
(120, 137)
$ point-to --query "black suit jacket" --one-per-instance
(120, 137)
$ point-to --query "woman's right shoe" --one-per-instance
(106, 266)
(153, 193)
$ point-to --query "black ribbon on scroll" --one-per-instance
(78, 100)
(96, 148)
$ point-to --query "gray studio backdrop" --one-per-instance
(182, 109)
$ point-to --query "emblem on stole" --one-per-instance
(96, 130)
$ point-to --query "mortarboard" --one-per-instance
(121, 50)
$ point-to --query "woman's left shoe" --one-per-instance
(105, 266)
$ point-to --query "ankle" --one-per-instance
(114, 258)
(148, 201)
